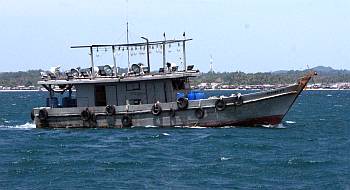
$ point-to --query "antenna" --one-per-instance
(127, 32)
(127, 41)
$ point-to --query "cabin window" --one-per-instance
(179, 84)
(100, 95)
(133, 86)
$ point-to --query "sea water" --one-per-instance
(309, 150)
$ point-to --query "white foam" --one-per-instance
(290, 122)
(151, 126)
(24, 126)
(190, 127)
(196, 127)
(227, 127)
(278, 126)
(224, 158)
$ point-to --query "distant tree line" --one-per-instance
(326, 75)
(289, 77)
(20, 78)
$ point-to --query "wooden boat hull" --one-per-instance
(260, 108)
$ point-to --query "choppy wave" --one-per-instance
(23, 126)
(290, 122)
(225, 158)
(278, 126)
(190, 127)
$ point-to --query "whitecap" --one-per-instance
(227, 127)
(165, 134)
(190, 127)
(290, 122)
(278, 126)
(224, 158)
(23, 126)
(151, 126)
(196, 127)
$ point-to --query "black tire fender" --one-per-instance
(110, 110)
(220, 104)
(85, 115)
(182, 103)
(43, 114)
(126, 121)
(199, 112)
(156, 109)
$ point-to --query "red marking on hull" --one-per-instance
(267, 120)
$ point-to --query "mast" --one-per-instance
(147, 45)
(115, 70)
(127, 41)
(164, 60)
(184, 50)
(92, 63)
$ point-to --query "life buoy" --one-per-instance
(110, 109)
(32, 116)
(199, 113)
(156, 109)
(85, 114)
(220, 104)
(43, 114)
(172, 112)
(182, 103)
(126, 121)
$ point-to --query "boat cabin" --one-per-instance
(105, 85)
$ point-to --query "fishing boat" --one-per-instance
(104, 97)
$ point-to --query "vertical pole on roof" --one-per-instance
(164, 60)
(184, 50)
(147, 49)
(115, 70)
(92, 63)
(128, 47)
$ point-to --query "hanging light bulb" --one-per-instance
(97, 54)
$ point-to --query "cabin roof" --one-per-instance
(99, 80)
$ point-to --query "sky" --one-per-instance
(244, 35)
